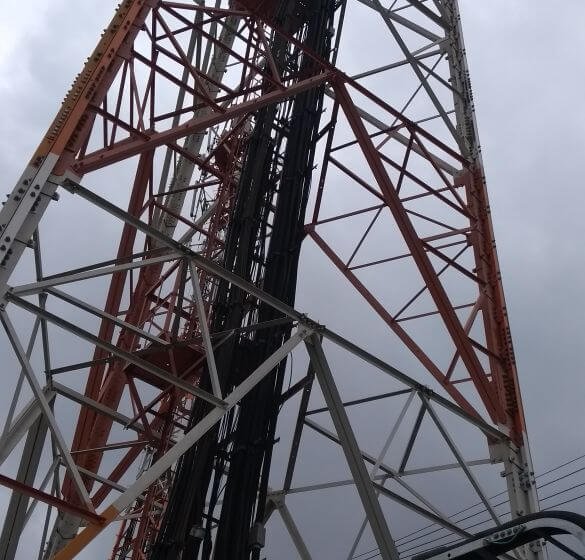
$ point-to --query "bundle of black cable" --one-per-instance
(231, 463)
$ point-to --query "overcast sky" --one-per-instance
(526, 62)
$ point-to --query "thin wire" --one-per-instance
(476, 524)
(488, 518)
(544, 509)
(561, 478)
(561, 466)
(562, 491)
(554, 469)
(459, 521)
(499, 504)
(565, 502)
(578, 485)
(433, 547)
(495, 496)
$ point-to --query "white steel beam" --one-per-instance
(50, 473)
(204, 328)
(103, 315)
(217, 270)
(376, 5)
(124, 355)
(401, 138)
(77, 276)
(100, 408)
(449, 466)
(279, 503)
(18, 389)
(198, 260)
(388, 471)
(351, 450)
(15, 514)
(376, 467)
(148, 477)
(46, 408)
(423, 31)
(22, 423)
(369, 358)
(102, 479)
(455, 450)
(20, 215)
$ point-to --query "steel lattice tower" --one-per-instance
(200, 144)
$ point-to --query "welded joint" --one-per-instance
(276, 498)
(312, 326)
(276, 502)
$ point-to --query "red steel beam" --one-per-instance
(70, 127)
(418, 352)
(129, 148)
(485, 389)
(90, 423)
(495, 318)
(61, 505)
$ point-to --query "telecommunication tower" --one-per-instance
(250, 293)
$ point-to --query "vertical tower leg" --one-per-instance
(17, 508)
